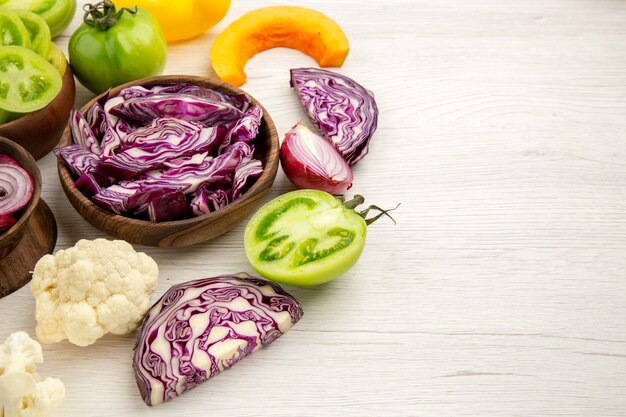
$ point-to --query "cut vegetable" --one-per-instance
(16, 187)
(343, 110)
(27, 81)
(178, 106)
(310, 161)
(307, 237)
(163, 140)
(293, 27)
(200, 328)
(57, 59)
(57, 13)
(38, 31)
(12, 30)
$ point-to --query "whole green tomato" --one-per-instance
(113, 47)
(57, 13)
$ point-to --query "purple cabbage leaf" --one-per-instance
(179, 106)
(164, 139)
(344, 111)
(200, 328)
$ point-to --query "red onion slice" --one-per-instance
(310, 161)
(7, 221)
(16, 187)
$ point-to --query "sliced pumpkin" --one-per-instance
(306, 30)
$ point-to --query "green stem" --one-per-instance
(104, 15)
(358, 200)
(355, 202)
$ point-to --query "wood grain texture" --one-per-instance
(40, 131)
(38, 240)
(502, 290)
(187, 232)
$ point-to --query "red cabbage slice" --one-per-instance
(178, 106)
(344, 111)
(183, 161)
(200, 328)
(171, 206)
(245, 129)
(240, 101)
(82, 133)
(126, 195)
(206, 201)
(88, 185)
(78, 159)
(116, 129)
(244, 173)
(164, 139)
(96, 117)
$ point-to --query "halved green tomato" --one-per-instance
(57, 59)
(57, 13)
(304, 238)
(27, 81)
(12, 30)
(38, 31)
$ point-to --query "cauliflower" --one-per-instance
(22, 392)
(91, 289)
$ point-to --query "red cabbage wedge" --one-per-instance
(344, 111)
(201, 328)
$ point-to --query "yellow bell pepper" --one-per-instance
(182, 19)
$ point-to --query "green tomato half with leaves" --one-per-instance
(113, 47)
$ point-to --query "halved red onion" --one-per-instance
(16, 186)
(310, 161)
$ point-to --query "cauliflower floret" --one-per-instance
(89, 290)
(22, 392)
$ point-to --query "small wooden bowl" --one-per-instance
(12, 237)
(40, 132)
(186, 232)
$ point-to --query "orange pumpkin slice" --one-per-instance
(293, 27)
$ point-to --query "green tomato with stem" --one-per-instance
(113, 47)
(307, 237)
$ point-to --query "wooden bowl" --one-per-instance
(180, 233)
(12, 237)
(40, 132)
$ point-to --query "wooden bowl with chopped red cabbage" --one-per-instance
(168, 161)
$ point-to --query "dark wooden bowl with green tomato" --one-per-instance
(38, 86)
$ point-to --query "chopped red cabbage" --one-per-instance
(88, 185)
(240, 101)
(165, 152)
(169, 207)
(163, 140)
(245, 129)
(82, 133)
(126, 195)
(78, 159)
(178, 106)
(206, 201)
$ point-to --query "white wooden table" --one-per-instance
(501, 292)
